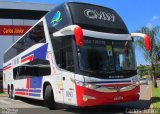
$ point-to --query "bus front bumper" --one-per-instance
(88, 97)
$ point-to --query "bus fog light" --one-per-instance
(87, 97)
(138, 93)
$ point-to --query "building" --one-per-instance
(15, 19)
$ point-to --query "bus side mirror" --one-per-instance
(146, 38)
(72, 30)
(79, 36)
(147, 42)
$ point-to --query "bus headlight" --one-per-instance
(91, 86)
(135, 80)
(86, 85)
(80, 83)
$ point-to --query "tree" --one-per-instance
(152, 55)
(143, 70)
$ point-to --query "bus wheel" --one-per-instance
(9, 92)
(49, 98)
(13, 96)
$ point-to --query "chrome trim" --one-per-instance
(108, 89)
(115, 88)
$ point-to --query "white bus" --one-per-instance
(78, 54)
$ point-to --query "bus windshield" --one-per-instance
(106, 56)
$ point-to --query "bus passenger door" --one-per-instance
(63, 51)
(68, 75)
(69, 92)
(56, 78)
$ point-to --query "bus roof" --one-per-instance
(89, 16)
(97, 18)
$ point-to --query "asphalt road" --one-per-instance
(27, 106)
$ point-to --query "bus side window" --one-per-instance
(32, 37)
(38, 67)
(62, 47)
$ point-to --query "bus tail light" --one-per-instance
(146, 38)
(79, 36)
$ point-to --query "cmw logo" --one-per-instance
(93, 14)
(56, 18)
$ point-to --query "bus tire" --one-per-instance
(9, 95)
(49, 98)
(13, 96)
(9, 92)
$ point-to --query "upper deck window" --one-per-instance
(57, 19)
(32, 37)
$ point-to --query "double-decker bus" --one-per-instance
(78, 54)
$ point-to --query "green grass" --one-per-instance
(156, 97)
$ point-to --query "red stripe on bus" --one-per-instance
(6, 68)
(30, 58)
(27, 85)
(20, 93)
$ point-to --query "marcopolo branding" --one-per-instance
(93, 14)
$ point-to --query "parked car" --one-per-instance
(144, 81)
(158, 78)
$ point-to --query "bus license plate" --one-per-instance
(116, 98)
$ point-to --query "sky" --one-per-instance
(135, 13)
